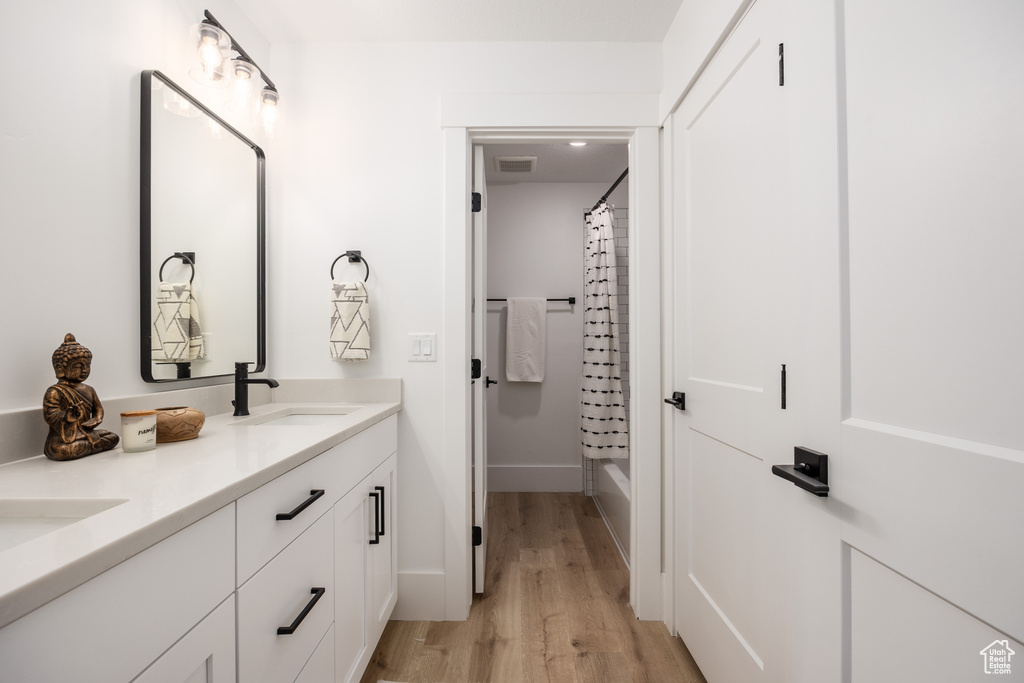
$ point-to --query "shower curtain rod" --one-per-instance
(611, 189)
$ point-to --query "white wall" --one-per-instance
(535, 244)
(69, 177)
(363, 169)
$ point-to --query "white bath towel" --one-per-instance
(177, 335)
(525, 340)
(350, 321)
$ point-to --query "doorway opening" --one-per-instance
(537, 246)
(644, 299)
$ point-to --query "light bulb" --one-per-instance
(243, 77)
(209, 43)
(269, 112)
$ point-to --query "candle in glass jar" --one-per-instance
(138, 431)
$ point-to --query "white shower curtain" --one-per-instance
(605, 433)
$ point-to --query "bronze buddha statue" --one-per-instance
(72, 409)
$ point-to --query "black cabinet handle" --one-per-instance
(288, 630)
(678, 400)
(490, 382)
(313, 495)
(809, 471)
(376, 517)
(383, 505)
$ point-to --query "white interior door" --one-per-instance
(932, 477)
(733, 334)
(480, 385)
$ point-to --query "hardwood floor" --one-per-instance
(555, 609)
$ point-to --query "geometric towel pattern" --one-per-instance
(605, 433)
(177, 335)
(350, 321)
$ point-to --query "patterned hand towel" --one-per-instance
(177, 335)
(350, 321)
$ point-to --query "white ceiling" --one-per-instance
(560, 163)
(287, 21)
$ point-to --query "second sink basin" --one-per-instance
(300, 416)
(23, 519)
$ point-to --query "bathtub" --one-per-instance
(612, 494)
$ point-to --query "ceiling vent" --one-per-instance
(515, 164)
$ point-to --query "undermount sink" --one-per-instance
(23, 519)
(300, 416)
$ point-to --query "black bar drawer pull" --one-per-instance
(809, 471)
(383, 524)
(313, 495)
(288, 630)
(376, 517)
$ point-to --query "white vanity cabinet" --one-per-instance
(112, 627)
(280, 585)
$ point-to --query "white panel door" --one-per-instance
(932, 476)
(733, 333)
(481, 384)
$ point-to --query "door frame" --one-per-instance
(630, 123)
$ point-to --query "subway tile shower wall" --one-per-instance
(621, 232)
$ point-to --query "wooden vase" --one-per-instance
(180, 423)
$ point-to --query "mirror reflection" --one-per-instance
(202, 236)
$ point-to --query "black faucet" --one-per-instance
(242, 382)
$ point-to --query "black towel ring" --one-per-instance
(353, 257)
(184, 257)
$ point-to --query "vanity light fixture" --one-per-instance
(217, 69)
(579, 143)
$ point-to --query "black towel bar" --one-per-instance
(571, 299)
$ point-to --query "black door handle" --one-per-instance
(809, 471)
(490, 382)
(678, 400)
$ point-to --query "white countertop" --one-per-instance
(166, 490)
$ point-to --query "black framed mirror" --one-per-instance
(202, 239)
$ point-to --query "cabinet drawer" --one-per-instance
(320, 667)
(276, 596)
(261, 534)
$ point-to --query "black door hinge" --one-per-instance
(782, 66)
(478, 202)
(475, 369)
(478, 536)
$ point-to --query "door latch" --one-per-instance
(678, 400)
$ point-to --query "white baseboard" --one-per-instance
(561, 479)
(420, 597)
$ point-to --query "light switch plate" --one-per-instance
(423, 347)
